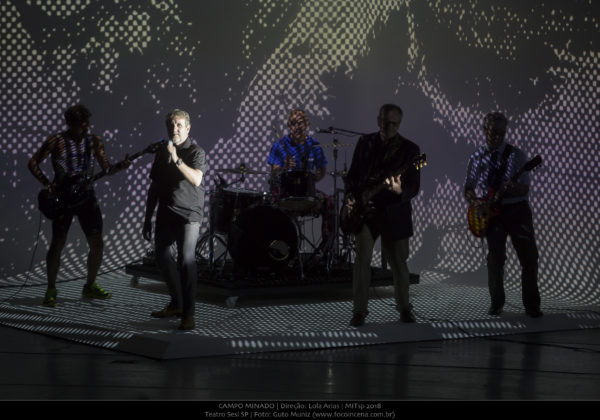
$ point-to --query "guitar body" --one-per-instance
(76, 190)
(352, 221)
(480, 214)
(49, 204)
(478, 217)
(72, 193)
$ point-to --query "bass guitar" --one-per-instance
(74, 191)
(480, 214)
(352, 219)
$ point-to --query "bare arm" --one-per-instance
(320, 173)
(38, 157)
(193, 175)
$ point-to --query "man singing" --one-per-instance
(176, 186)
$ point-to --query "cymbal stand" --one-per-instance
(335, 175)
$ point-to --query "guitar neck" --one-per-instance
(533, 163)
(373, 190)
(131, 158)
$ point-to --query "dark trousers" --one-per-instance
(175, 247)
(514, 220)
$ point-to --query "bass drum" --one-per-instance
(263, 237)
(228, 203)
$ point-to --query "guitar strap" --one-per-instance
(70, 155)
(383, 162)
(500, 171)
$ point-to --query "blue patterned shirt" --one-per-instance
(480, 164)
(308, 155)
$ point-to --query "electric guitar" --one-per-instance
(353, 219)
(480, 214)
(74, 191)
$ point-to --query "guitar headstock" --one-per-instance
(420, 161)
(533, 163)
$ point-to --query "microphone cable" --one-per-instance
(37, 241)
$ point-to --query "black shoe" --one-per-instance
(166, 312)
(407, 316)
(357, 320)
(495, 310)
(534, 313)
(187, 323)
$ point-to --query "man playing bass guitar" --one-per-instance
(71, 153)
(490, 170)
(376, 158)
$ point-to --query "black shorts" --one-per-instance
(89, 215)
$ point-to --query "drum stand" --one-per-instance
(211, 233)
(301, 238)
(334, 240)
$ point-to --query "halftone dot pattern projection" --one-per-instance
(300, 322)
(446, 64)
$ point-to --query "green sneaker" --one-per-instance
(94, 292)
(50, 298)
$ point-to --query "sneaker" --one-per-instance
(94, 292)
(187, 323)
(357, 320)
(50, 298)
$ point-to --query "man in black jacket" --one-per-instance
(176, 187)
(376, 157)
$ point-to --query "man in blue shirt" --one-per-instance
(490, 168)
(298, 154)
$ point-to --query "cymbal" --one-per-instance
(241, 170)
(335, 145)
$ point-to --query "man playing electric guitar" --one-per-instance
(376, 155)
(490, 170)
(71, 153)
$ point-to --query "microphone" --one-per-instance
(329, 130)
(167, 142)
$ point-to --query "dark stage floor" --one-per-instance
(545, 366)
(294, 346)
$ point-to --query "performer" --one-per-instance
(376, 155)
(489, 167)
(71, 153)
(176, 186)
(299, 151)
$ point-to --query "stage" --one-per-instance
(276, 318)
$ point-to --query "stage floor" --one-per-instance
(282, 319)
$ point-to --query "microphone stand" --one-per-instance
(335, 130)
(337, 202)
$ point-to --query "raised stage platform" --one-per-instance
(274, 319)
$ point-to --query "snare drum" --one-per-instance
(297, 191)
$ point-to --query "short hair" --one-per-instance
(385, 108)
(298, 111)
(77, 114)
(177, 113)
(494, 118)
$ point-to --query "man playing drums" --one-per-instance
(297, 163)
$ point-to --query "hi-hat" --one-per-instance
(326, 145)
(241, 170)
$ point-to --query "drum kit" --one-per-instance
(262, 230)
